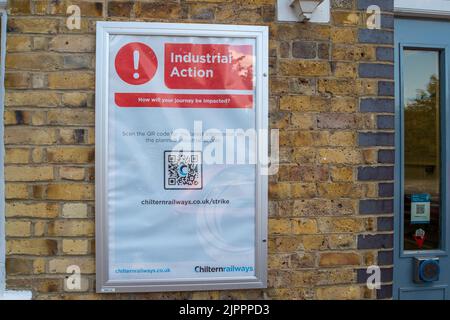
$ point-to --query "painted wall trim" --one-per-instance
(2, 153)
(420, 8)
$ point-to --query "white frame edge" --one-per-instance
(421, 8)
(2, 152)
(104, 29)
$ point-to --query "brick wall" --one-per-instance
(331, 96)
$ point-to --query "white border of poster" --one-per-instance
(104, 30)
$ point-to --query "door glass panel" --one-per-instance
(422, 151)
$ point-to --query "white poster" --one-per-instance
(181, 164)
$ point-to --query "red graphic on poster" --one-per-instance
(419, 236)
(136, 63)
(208, 66)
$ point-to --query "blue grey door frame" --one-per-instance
(423, 35)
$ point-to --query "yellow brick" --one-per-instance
(31, 246)
(16, 191)
(336, 276)
(345, 70)
(17, 155)
(71, 228)
(280, 226)
(235, 14)
(27, 25)
(72, 136)
(342, 241)
(342, 138)
(291, 31)
(88, 8)
(304, 67)
(20, 7)
(72, 43)
(17, 80)
(304, 226)
(75, 210)
(331, 259)
(371, 190)
(40, 42)
(75, 247)
(285, 244)
(313, 242)
(346, 18)
(279, 85)
(71, 117)
(367, 87)
(70, 192)
(18, 266)
(340, 156)
(17, 228)
(71, 154)
(344, 35)
(32, 210)
(37, 155)
(71, 173)
(39, 266)
(71, 80)
(59, 265)
(338, 293)
(345, 87)
(23, 135)
(32, 98)
(302, 121)
(353, 53)
(77, 99)
(20, 173)
(278, 261)
(91, 136)
(38, 118)
(18, 43)
(284, 190)
(39, 228)
(347, 225)
(339, 190)
(34, 61)
(166, 10)
(343, 104)
(205, 295)
(303, 103)
(17, 117)
(342, 174)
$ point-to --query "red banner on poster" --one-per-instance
(165, 100)
(208, 66)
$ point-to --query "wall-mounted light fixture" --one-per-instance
(305, 8)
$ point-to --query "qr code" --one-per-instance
(420, 209)
(182, 170)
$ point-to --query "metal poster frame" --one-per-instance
(104, 31)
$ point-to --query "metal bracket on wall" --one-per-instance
(285, 12)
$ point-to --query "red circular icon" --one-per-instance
(136, 63)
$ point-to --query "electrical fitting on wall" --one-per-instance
(304, 10)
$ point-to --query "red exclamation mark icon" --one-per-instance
(136, 64)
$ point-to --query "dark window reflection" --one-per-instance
(421, 150)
